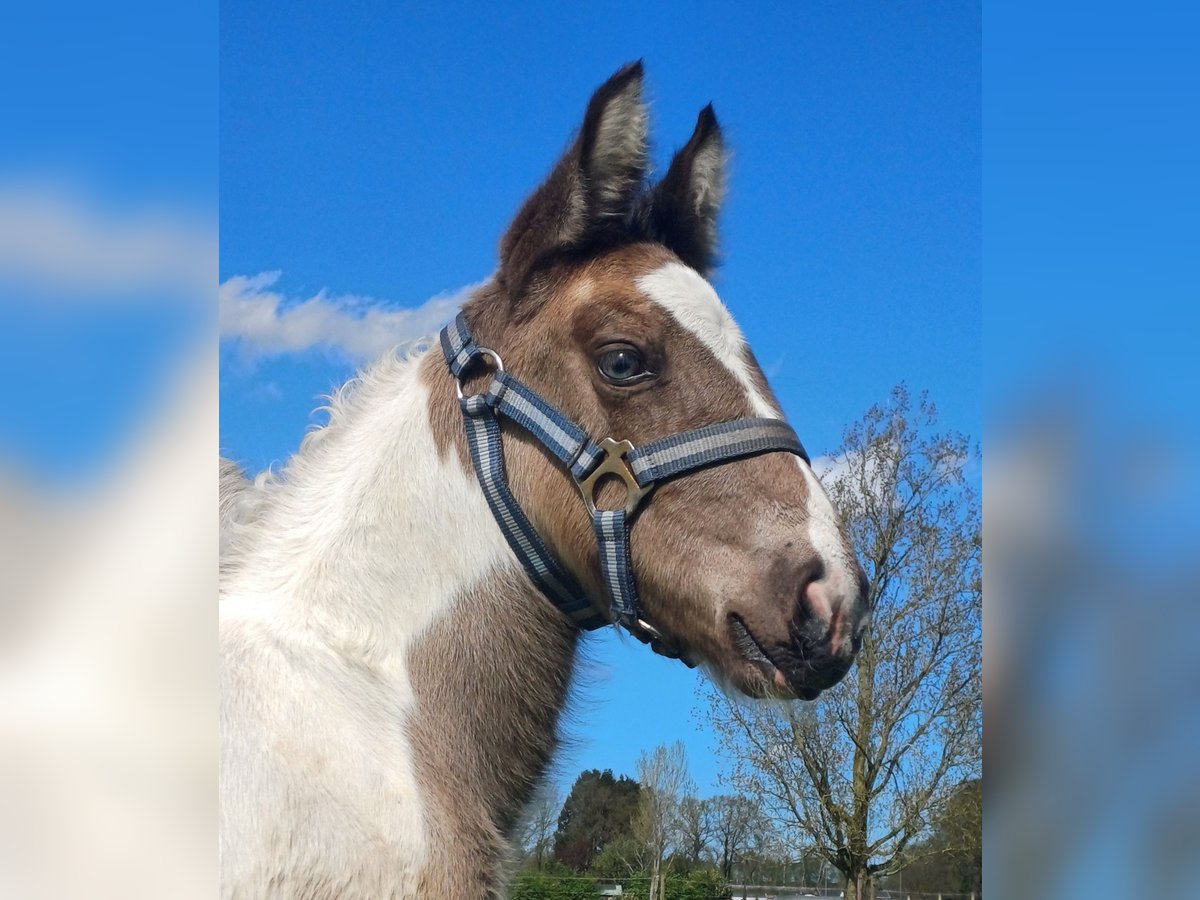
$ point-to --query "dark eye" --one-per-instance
(622, 364)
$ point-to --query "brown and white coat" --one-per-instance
(391, 680)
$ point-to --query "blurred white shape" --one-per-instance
(1093, 680)
(107, 674)
(267, 322)
(65, 239)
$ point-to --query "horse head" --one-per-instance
(603, 307)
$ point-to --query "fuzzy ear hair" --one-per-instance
(683, 208)
(593, 188)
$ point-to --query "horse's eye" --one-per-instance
(622, 364)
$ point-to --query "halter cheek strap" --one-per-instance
(588, 461)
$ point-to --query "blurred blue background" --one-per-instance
(1091, 279)
(108, 178)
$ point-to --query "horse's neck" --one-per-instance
(490, 682)
(379, 544)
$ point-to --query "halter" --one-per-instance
(588, 461)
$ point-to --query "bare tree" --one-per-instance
(539, 823)
(695, 828)
(665, 782)
(733, 829)
(860, 770)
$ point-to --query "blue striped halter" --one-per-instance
(588, 461)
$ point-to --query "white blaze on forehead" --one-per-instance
(691, 300)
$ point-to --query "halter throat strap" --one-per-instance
(588, 462)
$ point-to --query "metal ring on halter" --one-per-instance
(650, 629)
(480, 352)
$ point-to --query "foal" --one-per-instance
(391, 675)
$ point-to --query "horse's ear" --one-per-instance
(683, 207)
(593, 187)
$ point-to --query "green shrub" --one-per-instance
(559, 883)
(701, 884)
(563, 885)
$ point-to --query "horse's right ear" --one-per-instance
(593, 188)
(683, 207)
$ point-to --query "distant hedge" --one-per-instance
(547, 886)
(559, 885)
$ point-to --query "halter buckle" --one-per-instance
(613, 463)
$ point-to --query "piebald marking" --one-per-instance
(694, 304)
(364, 580)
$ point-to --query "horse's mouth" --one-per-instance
(775, 665)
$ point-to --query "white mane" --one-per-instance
(243, 501)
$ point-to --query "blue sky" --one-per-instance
(376, 152)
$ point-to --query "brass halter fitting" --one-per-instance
(613, 463)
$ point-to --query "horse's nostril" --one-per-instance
(811, 604)
(829, 615)
(817, 599)
(811, 612)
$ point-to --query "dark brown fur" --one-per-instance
(490, 680)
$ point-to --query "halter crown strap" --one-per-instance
(587, 461)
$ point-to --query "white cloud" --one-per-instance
(63, 237)
(266, 322)
(831, 468)
(857, 473)
(268, 392)
(874, 474)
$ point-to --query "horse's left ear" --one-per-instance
(592, 192)
(683, 208)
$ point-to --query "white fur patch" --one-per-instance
(691, 300)
(346, 563)
(825, 536)
(684, 293)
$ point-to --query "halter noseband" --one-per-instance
(588, 461)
